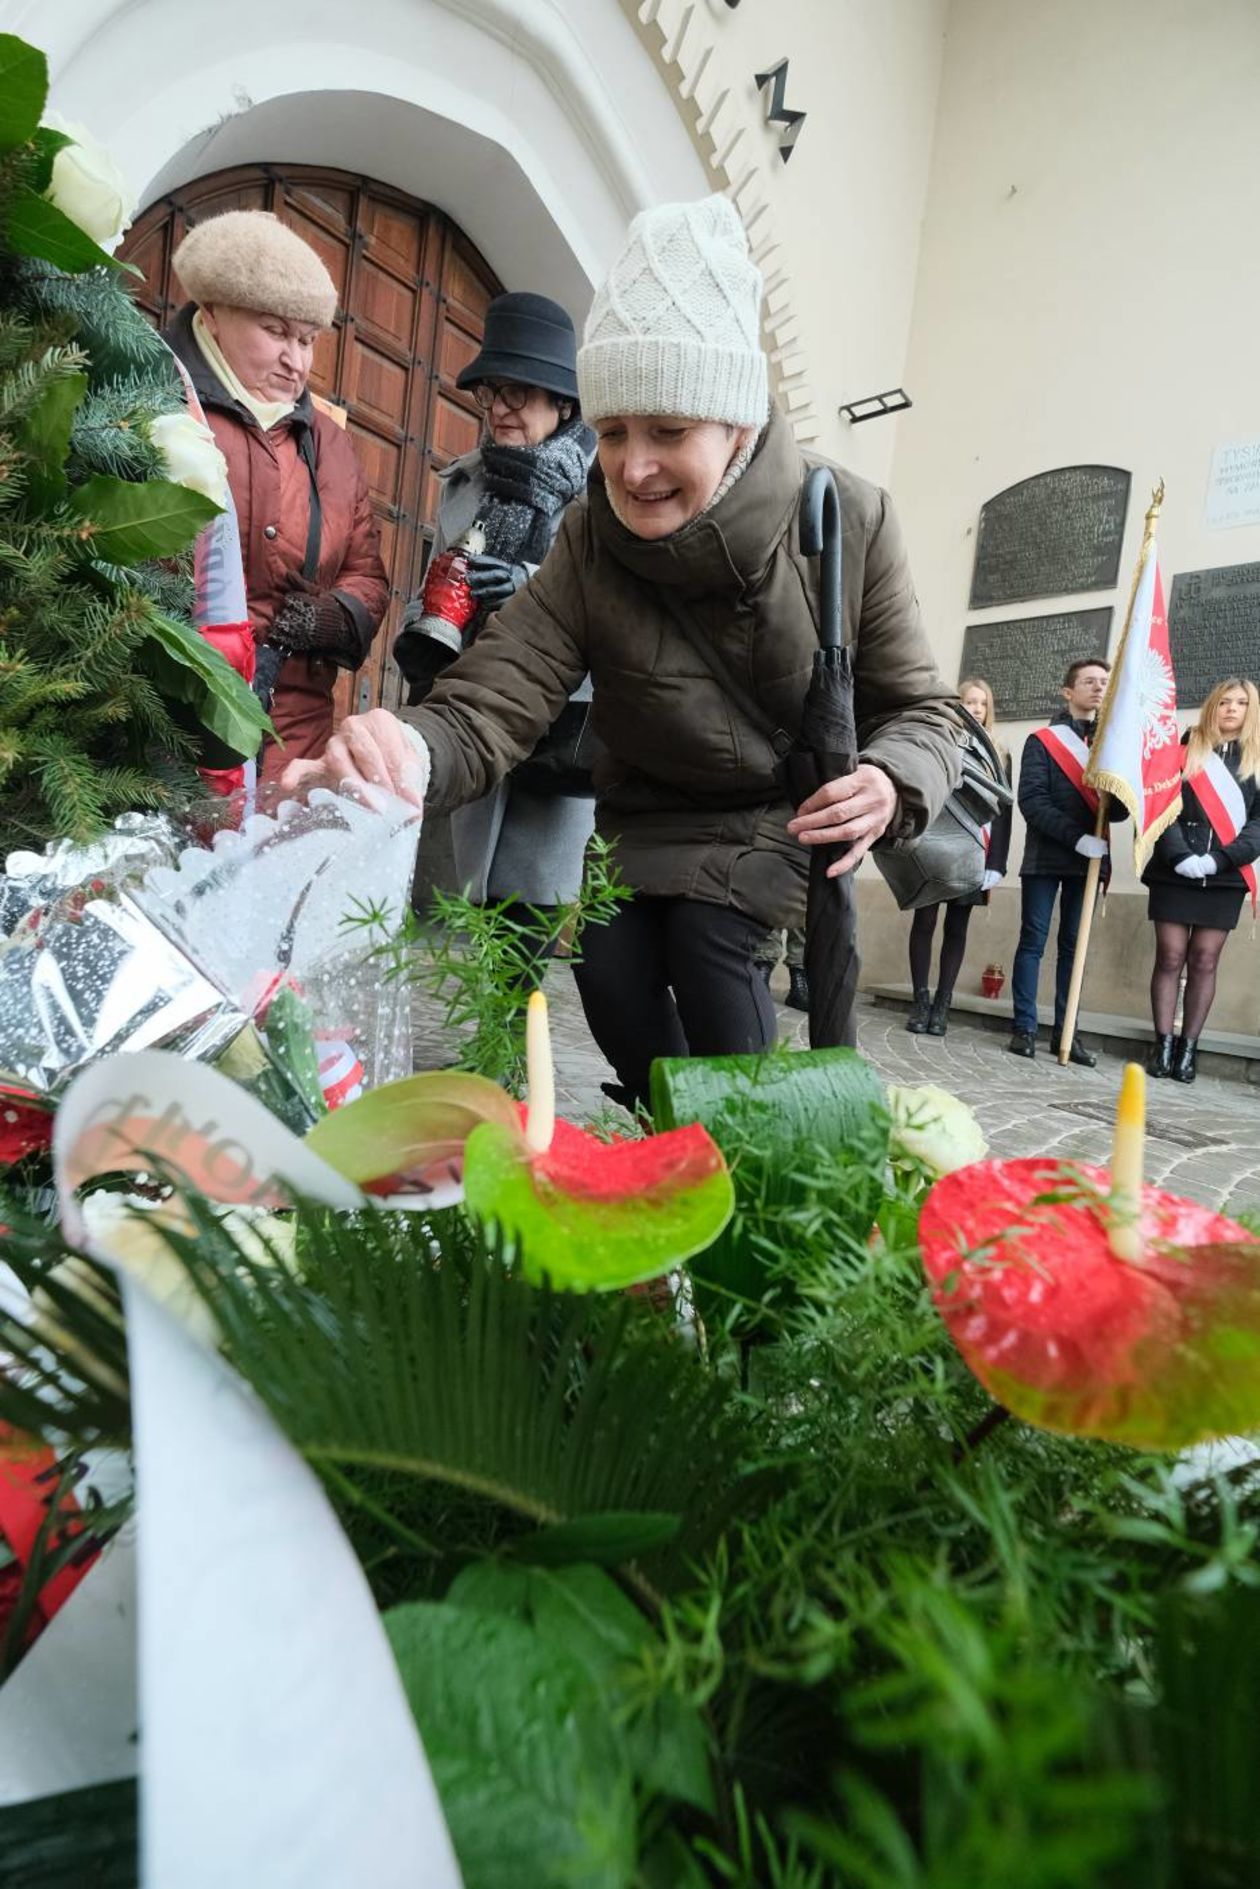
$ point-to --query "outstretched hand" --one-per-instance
(855, 808)
(368, 754)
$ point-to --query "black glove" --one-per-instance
(269, 663)
(315, 623)
(422, 659)
(492, 582)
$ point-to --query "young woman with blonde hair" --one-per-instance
(1203, 867)
(929, 1016)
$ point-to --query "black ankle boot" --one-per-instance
(798, 988)
(1160, 1060)
(938, 1021)
(1078, 1054)
(1185, 1051)
(920, 1010)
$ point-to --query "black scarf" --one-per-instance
(527, 486)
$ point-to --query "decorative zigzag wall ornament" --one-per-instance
(682, 43)
(777, 112)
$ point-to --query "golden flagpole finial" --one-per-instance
(1148, 531)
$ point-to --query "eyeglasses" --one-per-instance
(511, 392)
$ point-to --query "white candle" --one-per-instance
(540, 1077)
(1124, 1229)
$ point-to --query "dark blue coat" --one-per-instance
(1053, 810)
(1191, 832)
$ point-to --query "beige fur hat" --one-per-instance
(250, 259)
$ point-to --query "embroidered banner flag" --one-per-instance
(1136, 753)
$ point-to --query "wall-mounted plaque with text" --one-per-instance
(1050, 535)
(1214, 628)
(1024, 659)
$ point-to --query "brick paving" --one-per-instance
(1203, 1140)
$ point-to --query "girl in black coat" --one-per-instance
(1197, 876)
(929, 1015)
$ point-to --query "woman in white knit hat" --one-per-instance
(315, 584)
(678, 581)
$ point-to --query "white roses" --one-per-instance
(88, 187)
(191, 455)
(932, 1126)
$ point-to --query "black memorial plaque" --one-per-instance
(1051, 535)
(1024, 659)
(1214, 629)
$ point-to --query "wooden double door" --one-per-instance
(412, 294)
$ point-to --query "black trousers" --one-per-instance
(673, 977)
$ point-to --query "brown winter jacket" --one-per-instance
(687, 784)
(272, 490)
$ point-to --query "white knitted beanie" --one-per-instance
(676, 327)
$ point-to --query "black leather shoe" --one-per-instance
(1078, 1054)
(938, 1021)
(1023, 1043)
(1160, 1060)
(1185, 1053)
(920, 1010)
(798, 989)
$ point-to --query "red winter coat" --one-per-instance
(272, 490)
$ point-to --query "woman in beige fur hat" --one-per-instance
(316, 586)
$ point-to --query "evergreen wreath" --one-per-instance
(106, 690)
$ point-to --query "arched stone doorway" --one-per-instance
(412, 294)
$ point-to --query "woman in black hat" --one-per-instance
(503, 503)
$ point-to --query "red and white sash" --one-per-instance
(1220, 797)
(1071, 754)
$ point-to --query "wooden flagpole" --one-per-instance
(1092, 873)
(1094, 868)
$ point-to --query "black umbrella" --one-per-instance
(825, 748)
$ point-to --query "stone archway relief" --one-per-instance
(682, 46)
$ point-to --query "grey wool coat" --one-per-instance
(510, 843)
(688, 787)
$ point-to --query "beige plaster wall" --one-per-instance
(837, 228)
(1087, 292)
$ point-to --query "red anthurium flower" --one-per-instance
(1159, 1349)
(588, 1214)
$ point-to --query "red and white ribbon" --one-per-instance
(1220, 797)
(1067, 750)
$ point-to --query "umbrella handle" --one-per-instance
(820, 538)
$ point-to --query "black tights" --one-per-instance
(673, 977)
(1198, 948)
(953, 945)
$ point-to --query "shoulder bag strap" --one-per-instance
(744, 700)
(315, 519)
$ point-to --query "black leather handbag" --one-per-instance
(947, 860)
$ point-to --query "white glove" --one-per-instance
(1197, 866)
(990, 879)
(1092, 848)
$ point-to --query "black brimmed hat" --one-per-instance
(529, 339)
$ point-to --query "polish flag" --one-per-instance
(1136, 752)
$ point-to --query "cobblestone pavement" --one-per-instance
(1202, 1140)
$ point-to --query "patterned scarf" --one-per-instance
(526, 486)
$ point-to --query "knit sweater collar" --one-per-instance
(730, 544)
